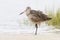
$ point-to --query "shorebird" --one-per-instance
(36, 17)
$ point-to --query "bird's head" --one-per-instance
(27, 10)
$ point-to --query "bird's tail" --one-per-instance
(49, 18)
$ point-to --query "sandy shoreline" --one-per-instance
(29, 37)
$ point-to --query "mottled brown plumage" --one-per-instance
(36, 16)
(40, 15)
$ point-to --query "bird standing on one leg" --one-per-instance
(36, 29)
(36, 17)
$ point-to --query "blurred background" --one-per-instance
(12, 22)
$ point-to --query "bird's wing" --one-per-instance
(39, 14)
(43, 16)
(35, 15)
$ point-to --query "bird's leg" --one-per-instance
(36, 29)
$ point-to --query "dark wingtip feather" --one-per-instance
(49, 18)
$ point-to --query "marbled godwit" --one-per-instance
(35, 16)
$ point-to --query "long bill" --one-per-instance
(22, 12)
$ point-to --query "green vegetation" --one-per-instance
(55, 19)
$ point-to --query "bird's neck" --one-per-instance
(28, 12)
